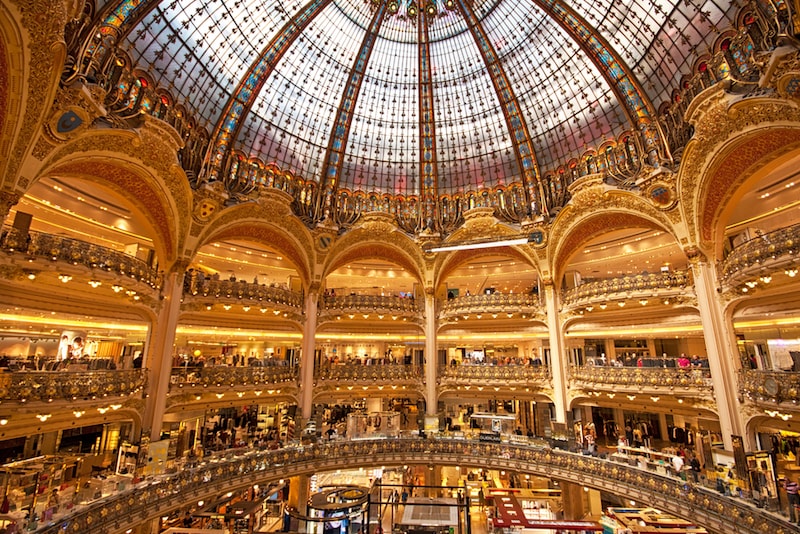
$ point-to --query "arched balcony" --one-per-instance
(222, 384)
(666, 285)
(491, 305)
(22, 387)
(492, 377)
(66, 253)
(770, 389)
(369, 379)
(332, 307)
(203, 291)
(242, 468)
(755, 262)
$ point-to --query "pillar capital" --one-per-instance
(7, 200)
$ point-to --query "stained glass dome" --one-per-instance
(419, 97)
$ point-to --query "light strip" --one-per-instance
(481, 244)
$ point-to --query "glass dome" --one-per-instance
(422, 97)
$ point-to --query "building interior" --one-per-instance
(269, 263)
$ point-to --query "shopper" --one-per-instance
(791, 488)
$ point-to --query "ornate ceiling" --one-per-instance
(363, 93)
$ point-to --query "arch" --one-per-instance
(454, 260)
(576, 231)
(733, 169)
(12, 58)
(269, 222)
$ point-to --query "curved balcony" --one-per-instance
(239, 377)
(494, 304)
(59, 249)
(773, 387)
(48, 386)
(244, 467)
(663, 285)
(372, 379)
(757, 260)
(490, 378)
(695, 381)
(206, 291)
(331, 307)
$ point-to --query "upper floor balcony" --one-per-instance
(493, 305)
(755, 262)
(511, 378)
(65, 254)
(770, 388)
(221, 384)
(334, 306)
(693, 381)
(674, 284)
(201, 290)
(370, 379)
(25, 386)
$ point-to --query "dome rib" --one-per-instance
(252, 82)
(429, 179)
(618, 75)
(334, 156)
(523, 145)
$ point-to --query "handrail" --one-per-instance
(772, 246)
(31, 386)
(242, 468)
(494, 302)
(232, 376)
(390, 303)
(624, 285)
(77, 252)
(506, 373)
(198, 286)
(601, 376)
(369, 373)
(772, 387)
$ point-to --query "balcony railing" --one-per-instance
(762, 256)
(33, 386)
(63, 249)
(697, 379)
(382, 373)
(222, 376)
(494, 303)
(491, 374)
(661, 284)
(207, 290)
(774, 387)
(375, 303)
(244, 467)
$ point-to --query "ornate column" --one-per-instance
(721, 349)
(431, 323)
(7, 201)
(558, 357)
(161, 339)
(307, 356)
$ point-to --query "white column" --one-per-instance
(431, 397)
(558, 358)
(722, 353)
(159, 351)
(307, 357)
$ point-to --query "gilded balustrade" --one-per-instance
(388, 304)
(763, 256)
(661, 284)
(370, 374)
(489, 304)
(47, 386)
(241, 468)
(223, 376)
(505, 375)
(75, 252)
(207, 290)
(597, 377)
(774, 387)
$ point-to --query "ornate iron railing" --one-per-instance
(205, 289)
(763, 256)
(599, 377)
(241, 468)
(772, 387)
(381, 373)
(373, 303)
(222, 376)
(528, 375)
(496, 303)
(661, 284)
(76, 252)
(32, 386)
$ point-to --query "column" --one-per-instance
(558, 359)
(7, 201)
(161, 339)
(721, 349)
(298, 498)
(662, 426)
(431, 397)
(307, 357)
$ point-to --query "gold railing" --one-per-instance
(492, 304)
(513, 375)
(374, 303)
(242, 468)
(772, 387)
(208, 290)
(763, 256)
(368, 373)
(75, 252)
(661, 284)
(698, 379)
(32, 386)
(222, 376)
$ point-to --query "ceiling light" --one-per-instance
(64, 278)
(95, 283)
(246, 308)
(643, 302)
(226, 306)
(208, 307)
(655, 399)
(766, 279)
(621, 304)
(220, 395)
(4, 420)
(102, 410)
(791, 273)
(32, 275)
(751, 284)
(44, 417)
(631, 397)
(263, 310)
(589, 308)
(603, 306)
(479, 244)
(79, 413)
(117, 288)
